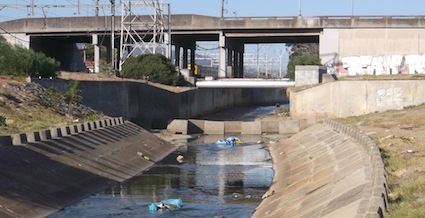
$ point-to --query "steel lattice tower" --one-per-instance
(144, 29)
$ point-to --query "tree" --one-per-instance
(154, 67)
(302, 54)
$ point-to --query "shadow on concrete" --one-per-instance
(42, 177)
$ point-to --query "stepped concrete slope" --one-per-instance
(324, 171)
(40, 177)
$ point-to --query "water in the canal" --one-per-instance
(212, 182)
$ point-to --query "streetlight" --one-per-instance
(352, 7)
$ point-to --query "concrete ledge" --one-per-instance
(20, 139)
(233, 127)
(289, 127)
(178, 127)
(192, 126)
(55, 133)
(33, 137)
(251, 128)
(270, 126)
(214, 128)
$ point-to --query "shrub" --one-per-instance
(2, 120)
(52, 97)
(72, 95)
(305, 59)
(155, 67)
(19, 61)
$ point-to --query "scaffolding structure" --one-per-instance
(144, 29)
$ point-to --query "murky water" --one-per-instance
(212, 181)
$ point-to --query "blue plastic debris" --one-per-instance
(170, 204)
(229, 142)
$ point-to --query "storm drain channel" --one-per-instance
(211, 180)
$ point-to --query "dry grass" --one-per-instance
(401, 137)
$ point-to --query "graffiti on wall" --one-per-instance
(389, 97)
(381, 65)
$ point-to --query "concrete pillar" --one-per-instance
(192, 60)
(185, 56)
(167, 41)
(241, 65)
(222, 56)
(177, 55)
(229, 67)
(95, 43)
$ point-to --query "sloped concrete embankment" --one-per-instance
(46, 171)
(327, 170)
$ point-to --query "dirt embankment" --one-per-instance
(24, 107)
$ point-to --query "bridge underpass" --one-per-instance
(231, 46)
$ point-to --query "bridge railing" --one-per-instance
(343, 17)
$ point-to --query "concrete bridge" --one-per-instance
(340, 38)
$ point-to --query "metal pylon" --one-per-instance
(143, 26)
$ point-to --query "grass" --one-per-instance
(26, 120)
(406, 170)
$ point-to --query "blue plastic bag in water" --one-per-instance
(166, 204)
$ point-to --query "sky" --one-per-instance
(238, 8)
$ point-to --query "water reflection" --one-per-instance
(212, 181)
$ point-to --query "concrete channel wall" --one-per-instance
(259, 127)
(327, 170)
(354, 98)
(375, 199)
(43, 172)
(152, 107)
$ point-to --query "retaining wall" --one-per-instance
(354, 98)
(43, 172)
(153, 107)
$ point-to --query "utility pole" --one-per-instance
(222, 8)
(97, 8)
(112, 34)
(32, 8)
(299, 8)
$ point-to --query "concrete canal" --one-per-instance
(213, 181)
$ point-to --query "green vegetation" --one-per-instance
(72, 95)
(302, 54)
(2, 120)
(18, 61)
(51, 97)
(153, 67)
(305, 59)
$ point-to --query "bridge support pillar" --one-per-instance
(177, 55)
(192, 60)
(95, 43)
(185, 56)
(222, 56)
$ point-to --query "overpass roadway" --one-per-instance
(337, 36)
